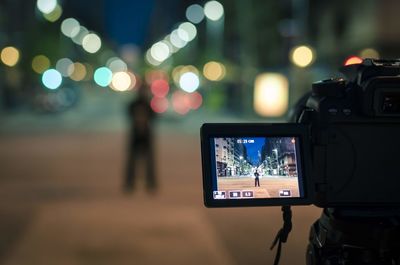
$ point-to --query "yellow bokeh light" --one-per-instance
(369, 53)
(214, 71)
(121, 81)
(54, 15)
(302, 56)
(40, 63)
(271, 94)
(79, 72)
(10, 56)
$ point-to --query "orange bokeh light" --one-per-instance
(353, 60)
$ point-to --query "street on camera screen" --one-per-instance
(256, 167)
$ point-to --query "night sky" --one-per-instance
(253, 148)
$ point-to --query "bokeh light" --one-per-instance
(46, 6)
(195, 100)
(159, 105)
(9, 56)
(150, 59)
(159, 88)
(65, 66)
(78, 38)
(214, 71)
(79, 72)
(195, 13)
(302, 56)
(179, 103)
(271, 94)
(369, 53)
(213, 10)
(116, 65)
(51, 79)
(189, 82)
(54, 15)
(153, 75)
(91, 43)
(160, 51)
(190, 30)
(353, 60)
(176, 40)
(40, 63)
(103, 76)
(70, 27)
(121, 81)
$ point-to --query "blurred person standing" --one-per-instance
(140, 146)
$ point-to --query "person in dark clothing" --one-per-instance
(257, 179)
(140, 145)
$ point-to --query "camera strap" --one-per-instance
(283, 233)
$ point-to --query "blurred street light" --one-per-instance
(46, 6)
(160, 51)
(121, 81)
(195, 13)
(40, 63)
(10, 56)
(159, 105)
(187, 31)
(78, 38)
(54, 15)
(271, 91)
(52, 79)
(159, 88)
(189, 82)
(91, 43)
(79, 72)
(213, 10)
(369, 53)
(70, 27)
(65, 66)
(103, 76)
(302, 56)
(214, 71)
(353, 60)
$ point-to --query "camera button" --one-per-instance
(346, 112)
(333, 111)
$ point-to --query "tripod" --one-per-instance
(356, 237)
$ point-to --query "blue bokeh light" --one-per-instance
(103, 76)
(52, 79)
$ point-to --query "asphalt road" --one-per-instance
(61, 202)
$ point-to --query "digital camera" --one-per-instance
(342, 150)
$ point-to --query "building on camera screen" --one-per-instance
(256, 167)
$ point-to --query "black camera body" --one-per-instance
(355, 135)
(346, 143)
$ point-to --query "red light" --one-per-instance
(159, 88)
(159, 105)
(180, 102)
(153, 75)
(195, 100)
(353, 60)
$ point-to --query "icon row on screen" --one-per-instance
(233, 194)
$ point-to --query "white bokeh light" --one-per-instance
(160, 51)
(70, 27)
(189, 82)
(213, 10)
(91, 43)
(46, 6)
(189, 29)
(176, 40)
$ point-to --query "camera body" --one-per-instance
(347, 137)
(355, 129)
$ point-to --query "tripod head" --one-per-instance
(355, 236)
